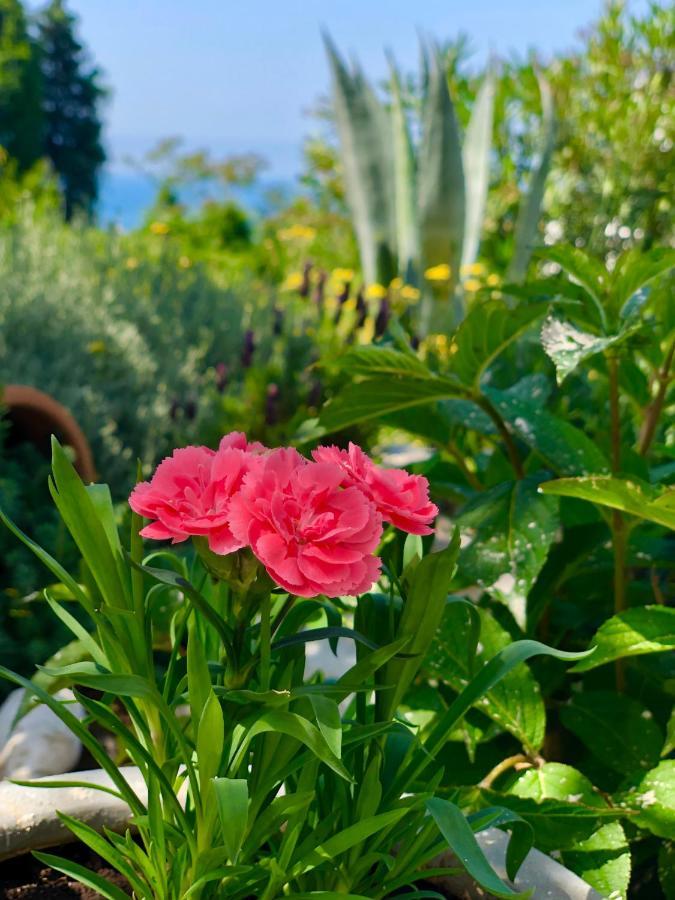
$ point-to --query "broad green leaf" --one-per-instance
(515, 702)
(232, 800)
(630, 495)
(617, 730)
(557, 824)
(653, 798)
(365, 151)
(507, 532)
(488, 329)
(563, 447)
(568, 346)
(643, 629)
(603, 860)
(376, 397)
(83, 875)
(422, 612)
(634, 270)
(405, 183)
(373, 361)
(529, 211)
(669, 745)
(586, 270)
(441, 190)
(556, 781)
(476, 165)
(454, 827)
(667, 869)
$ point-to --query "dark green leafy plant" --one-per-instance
(555, 462)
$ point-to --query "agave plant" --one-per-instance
(421, 203)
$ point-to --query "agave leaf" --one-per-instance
(405, 196)
(476, 162)
(362, 127)
(530, 205)
(441, 193)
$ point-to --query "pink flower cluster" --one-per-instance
(313, 524)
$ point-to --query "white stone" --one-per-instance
(39, 744)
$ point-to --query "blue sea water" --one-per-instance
(125, 196)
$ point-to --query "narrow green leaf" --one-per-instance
(405, 183)
(327, 715)
(83, 875)
(232, 799)
(454, 827)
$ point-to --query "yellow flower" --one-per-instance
(342, 275)
(472, 284)
(131, 263)
(96, 346)
(473, 269)
(367, 332)
(441, 272)
(297, 233)
(410, 293)
(493, 280)
(396, 284)
(375, 292)
(184, 262)
(292, 282)
(159, 228)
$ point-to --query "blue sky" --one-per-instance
(237, 76)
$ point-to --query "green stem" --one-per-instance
(514, 458)
(656, 406)
(617, 523)
(265, 641)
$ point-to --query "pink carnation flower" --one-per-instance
(190, 492)
(312, 535)
(401, 499)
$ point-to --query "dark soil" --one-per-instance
(24, 878)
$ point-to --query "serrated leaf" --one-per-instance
(514, 703)
(557, 824)
(630, 495)
(563, 447)
(371, 399)
(603, 860)
(476, 165)
(529, 211)
(643, 629)
(556, 781)
(488, 329)
(568, 346)
(510, 532)
(619, 731)
(584, 269)
(653, 798)
(375, 361)
(633, 271)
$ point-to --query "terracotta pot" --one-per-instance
(36, 416)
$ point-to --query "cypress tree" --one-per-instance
(71, 99)
(21, 118)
